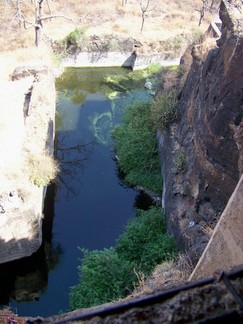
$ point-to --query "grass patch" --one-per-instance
(180, 161)
(110, 274)
(42, 169)
(136, 146)
(164, 109)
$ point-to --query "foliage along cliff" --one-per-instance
(209, 132)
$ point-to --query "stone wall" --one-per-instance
(210, 132)
(21, 201)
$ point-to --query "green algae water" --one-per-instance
(89, 205)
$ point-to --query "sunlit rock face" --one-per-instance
(21, 200)
(210, 132)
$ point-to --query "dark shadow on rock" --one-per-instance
(26, 278)
(130, 61)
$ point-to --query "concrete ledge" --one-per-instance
(106, 59)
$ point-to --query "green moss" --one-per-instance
(103, 124)
(180, 161)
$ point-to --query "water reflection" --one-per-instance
(72, 161)
(26, 279)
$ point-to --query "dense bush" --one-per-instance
(103, 277)
(136, 145)
(145, 241)
(110, 274)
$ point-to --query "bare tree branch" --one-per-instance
(144, 6)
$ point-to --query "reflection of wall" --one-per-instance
(23, 280)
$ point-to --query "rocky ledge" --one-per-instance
(209, 132)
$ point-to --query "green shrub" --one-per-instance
(77, 36)
(104, 277)
(145, 233)
(110, 274)
(164, 109)
(161, 249)
(136, 146)
(153, 69)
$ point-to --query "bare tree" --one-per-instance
(72, 161)
(145, 6)
(202, 9)
(39, 17)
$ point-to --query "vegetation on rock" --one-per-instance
(164, 109)
(42, 169)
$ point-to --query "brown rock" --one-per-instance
(209, 130)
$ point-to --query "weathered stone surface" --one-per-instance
(21, 201)
(209, 130)
(26, 71)
(205, 304)
(225, 247)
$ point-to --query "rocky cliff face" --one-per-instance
(31, 109)
(209, 132)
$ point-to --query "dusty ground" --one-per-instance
(171, 21)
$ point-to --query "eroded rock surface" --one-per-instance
(23, 135)
(210, 132)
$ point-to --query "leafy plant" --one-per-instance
(164, 109)
(144, 234)
(136, 145)
(152, 69)
(104, 277)
(111, 274)
(77, 36)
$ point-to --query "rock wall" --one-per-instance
(209, 131)
(21, 201)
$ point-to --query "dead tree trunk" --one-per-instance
(38, 21)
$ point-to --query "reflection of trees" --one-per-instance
(53, 258)
(72, 161)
